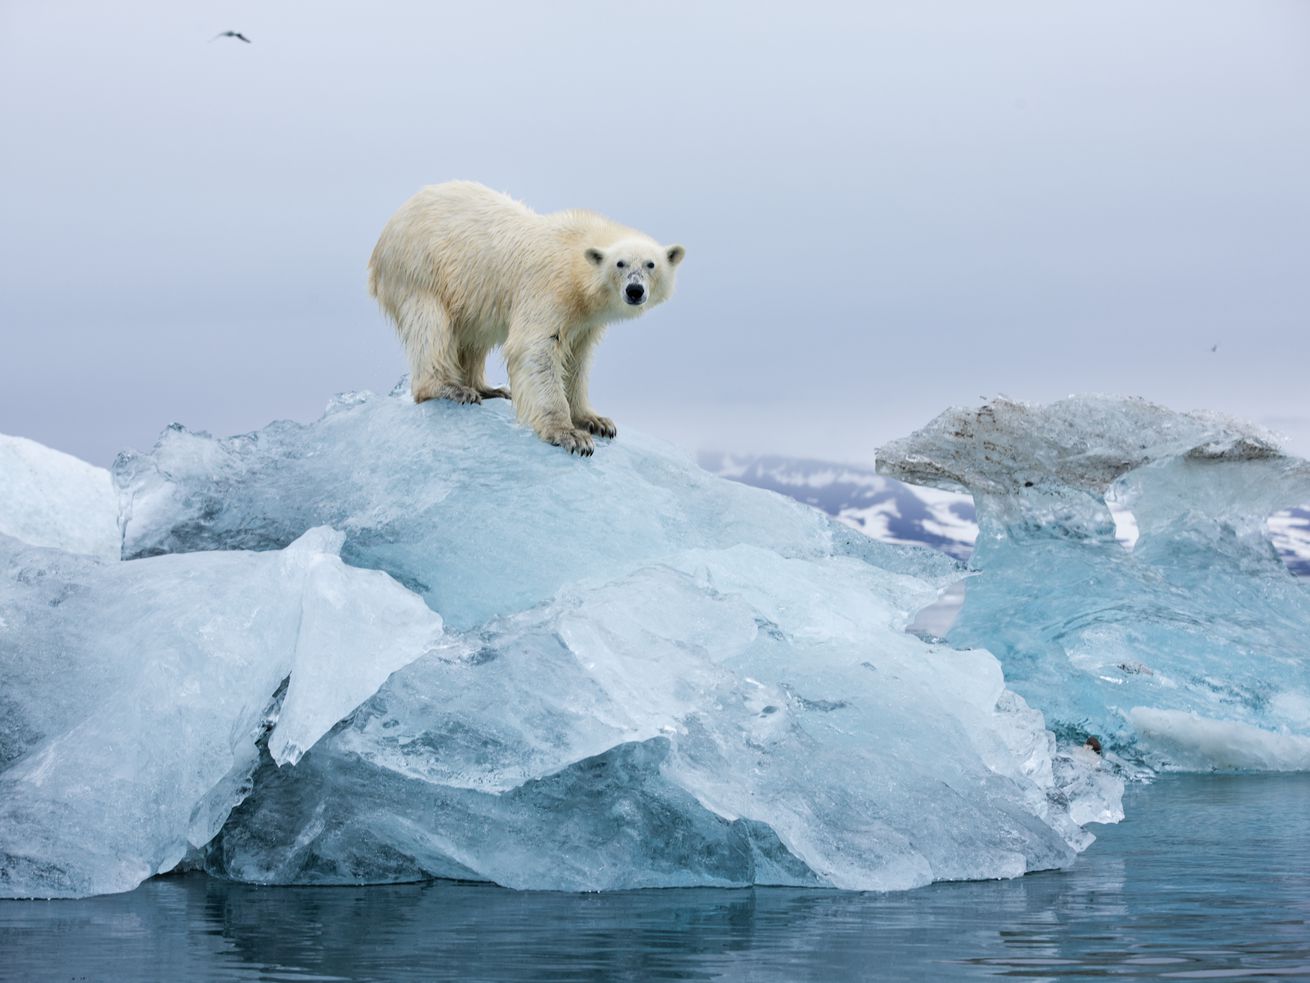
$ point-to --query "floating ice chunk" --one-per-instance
(49, 498)
(1202, 744)
(726, 717)
(1200, 617)
(654, 677)
(134, 694)
(1049, 468)
(1092, 789)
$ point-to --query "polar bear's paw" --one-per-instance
(574, 441)
(494, 392)
(453, 391)
(601, 426)
(457, 393)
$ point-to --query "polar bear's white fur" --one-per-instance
(461, 268)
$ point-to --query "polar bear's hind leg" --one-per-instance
(473, 368)
(435, 371)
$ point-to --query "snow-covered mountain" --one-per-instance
(1290, 532)
(894, 512)
(882, 508)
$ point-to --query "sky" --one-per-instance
(888, 209)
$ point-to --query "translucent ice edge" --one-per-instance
(137, 695)
(1201, 618)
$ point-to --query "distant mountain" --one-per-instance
(882, 508)
(1290, 532)
(894, 512)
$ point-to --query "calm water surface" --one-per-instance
(1208, 878)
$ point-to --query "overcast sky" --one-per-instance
(887, 208)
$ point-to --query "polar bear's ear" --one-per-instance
(595, 256)
(675, 255)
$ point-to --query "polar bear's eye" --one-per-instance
(650, 265)
(621, 264)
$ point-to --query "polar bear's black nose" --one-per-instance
(636, 292)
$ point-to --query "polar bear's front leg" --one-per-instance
(536, 378)
(576, 371)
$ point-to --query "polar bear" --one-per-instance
(461, 268)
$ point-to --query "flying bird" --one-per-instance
(1214, 348)
(230, 34)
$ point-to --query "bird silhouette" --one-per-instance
(1214, 348)
(230, 34)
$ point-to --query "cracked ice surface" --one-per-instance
(652, 677)
(134, 694)
(1189, 651)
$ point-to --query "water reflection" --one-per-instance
(1209, 877)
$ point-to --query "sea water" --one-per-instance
(1207, 878)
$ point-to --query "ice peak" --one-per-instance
(1045, 471)
(1201, 618)
(1082, 442)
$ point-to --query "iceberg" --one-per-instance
(704, 720)
(137, 697)
(1191, 649)
(49, 498)
(649, 676)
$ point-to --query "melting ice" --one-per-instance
(134, 695)
(651, 676)
(1192, 649)
(410, 641)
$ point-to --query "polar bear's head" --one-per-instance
(633, 274)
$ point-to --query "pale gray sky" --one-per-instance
(888, 208)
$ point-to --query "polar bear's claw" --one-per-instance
(601, 426)
(459, 394)
(573, 441)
